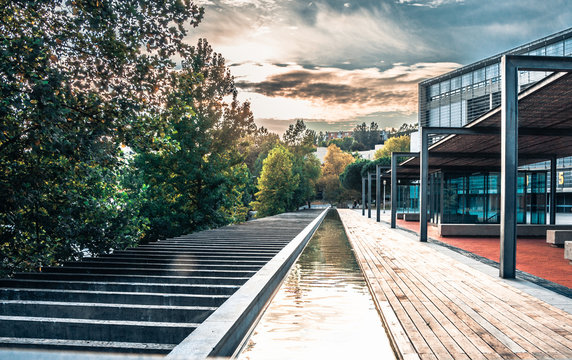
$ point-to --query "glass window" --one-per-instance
(445, 87)
(478, 76)
(467, 79)
(456, 114)
(568, 47)
(433, 91)
(555, 49)
(492, 71)
(455, 83)
(445, 119)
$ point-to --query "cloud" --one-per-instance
(344, 93)
(430, 3)
(309, 33)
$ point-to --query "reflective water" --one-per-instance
(323, 310)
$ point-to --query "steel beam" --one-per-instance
(510, 65)
(552, 195)
(423, 184)
(393, 190)
(363, 196)
(509, 168)
(369, 195)
(377, 193)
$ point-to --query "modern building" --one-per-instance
(458, 99)
(495, 148)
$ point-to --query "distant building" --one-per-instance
(331, 135)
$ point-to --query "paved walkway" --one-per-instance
(533, 256)
(438, 308)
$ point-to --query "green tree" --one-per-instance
(394, 144)
(352, 175)
(79, 79)
(276, 184)
(335, 162)
(196, 175)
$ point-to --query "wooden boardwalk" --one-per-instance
(437, 308)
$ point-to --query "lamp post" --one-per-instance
(384, 181)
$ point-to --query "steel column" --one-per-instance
(363, 196)
(552, 190)
(384, 196)
(509, 167)
(393, 190)
(369, 194)
(423, 182)
(377, 193)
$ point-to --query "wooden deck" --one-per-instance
(435, 307)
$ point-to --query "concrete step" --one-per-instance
(234, 247)
(166, 251)
(179, 256)
(99, 311)
(135, 278)
(112, 297)
(203, 289)
(111, 263)
(83, 345)
(96, 330)
(148, 271)
(151, 260)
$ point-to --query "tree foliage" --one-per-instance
(394, 144)
(367, 136)
(276, 184)
(335, 163)
(79, 79)
(352, 175)
(197, 173)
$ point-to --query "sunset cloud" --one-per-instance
(339, 62)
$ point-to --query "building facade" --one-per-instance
(458, 98)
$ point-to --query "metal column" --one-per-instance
(369, 194)
(377, 193)
(363, 195)
(509, 167)
(423, 182)
(552, 190)
(393, 190)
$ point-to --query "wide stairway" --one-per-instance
(141, 300)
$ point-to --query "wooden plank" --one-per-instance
(441, 308)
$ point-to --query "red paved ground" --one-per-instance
(533, 256)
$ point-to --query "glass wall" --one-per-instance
(473, 198)
(408, 196)
(468, 93)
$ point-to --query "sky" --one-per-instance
(335, 64)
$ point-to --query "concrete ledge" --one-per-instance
(224, 330)
(568, 251)
(493, 230)
(558, 237)
(411, 216)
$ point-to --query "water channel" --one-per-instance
(323, 310)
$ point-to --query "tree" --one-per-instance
(79, 80)
(394, 144)
(276, 184)
(368, 137)
(335, 162)
(352, 175)
(196, 175)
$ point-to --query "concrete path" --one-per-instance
(435, 307)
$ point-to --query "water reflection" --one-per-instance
(324, 309)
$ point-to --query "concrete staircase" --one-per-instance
(141, 300)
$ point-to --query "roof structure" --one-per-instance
(545, 131)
